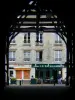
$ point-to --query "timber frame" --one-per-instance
(34, 18)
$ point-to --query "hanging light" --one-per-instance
(31, 2)
(23, 10)
(18, 16)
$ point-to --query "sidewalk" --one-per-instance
(38, 85)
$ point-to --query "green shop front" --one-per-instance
(44, 71)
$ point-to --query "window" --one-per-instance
(11, 73)
(11, 55)
(38, 55)
(13, 40)
(39, 37)
(26, 55)
(58, 39)
(58, 54)
(27, 37)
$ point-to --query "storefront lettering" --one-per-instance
(46, 65)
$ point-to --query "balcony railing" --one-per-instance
(12, 59)
(39, 43)
(38, 59)
(27, 43)
(13, 42)
(26, 59)
(58, 43)
(58, 59)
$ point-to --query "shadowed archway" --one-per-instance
(38, 23)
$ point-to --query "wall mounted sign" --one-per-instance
(47, 65)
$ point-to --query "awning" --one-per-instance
(22, 68)
(47, 65)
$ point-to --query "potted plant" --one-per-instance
(13, 80)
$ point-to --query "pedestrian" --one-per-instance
(32, 77)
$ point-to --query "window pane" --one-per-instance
(56, 37)
(25, 38)
(37, 54)
(28, 37)
(40, 38)
(26, 55)
(37, 37)
(13, 54)
(40, 55)
(13, 40)
(58, 56)
(11, 73)
(10, 54)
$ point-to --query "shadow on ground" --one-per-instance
(36, 92)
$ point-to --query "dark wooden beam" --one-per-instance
(34, 19)
(40, 24)
(34, 30)
(34, 13)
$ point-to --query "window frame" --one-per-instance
(38, 58)
(12, 73)
(27, 57)
(39, 37)
(13, 41)
(12, 57)
(59, 59)
(27, 37)
(58, 39)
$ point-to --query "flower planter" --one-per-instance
(13, 81)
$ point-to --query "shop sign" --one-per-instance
(47, 65)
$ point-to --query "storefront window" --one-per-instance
(47, 74)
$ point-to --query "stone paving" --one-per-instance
(38, 85)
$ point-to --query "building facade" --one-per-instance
(41, 55)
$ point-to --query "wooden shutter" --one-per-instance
(19, 74)
(26, 74)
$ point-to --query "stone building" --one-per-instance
(40, 55)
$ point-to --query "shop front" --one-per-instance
(22, 73)
(47, 71)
